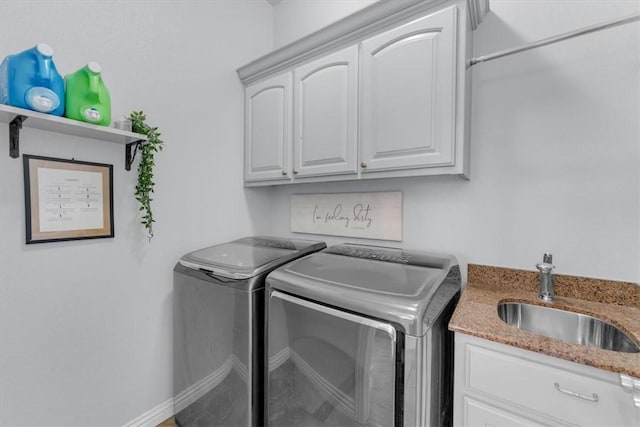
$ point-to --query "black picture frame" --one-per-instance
(67, 199)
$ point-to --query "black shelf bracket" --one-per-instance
(14, 135)
(130, 151)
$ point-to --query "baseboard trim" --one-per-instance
(170, 407)
(188, 396)
(338, 396)
(202, 387)
(279, 358)
(154, 416)
(240, 368)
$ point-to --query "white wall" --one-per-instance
(86, 326)
(294, 19)
(555, 161)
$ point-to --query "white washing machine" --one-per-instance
(357, 336)
(219, 329)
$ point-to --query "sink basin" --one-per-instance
(567, 326)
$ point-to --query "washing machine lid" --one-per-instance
(249, 256)
(409, 288)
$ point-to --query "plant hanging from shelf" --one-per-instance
(145, 184)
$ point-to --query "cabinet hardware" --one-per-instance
(363, 164)
(295, 171)
(593, 398)
(284, 173)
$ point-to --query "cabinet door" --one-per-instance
(408, 95)
(325, 120)
(268, 129)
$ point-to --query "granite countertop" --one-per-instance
(616, 302)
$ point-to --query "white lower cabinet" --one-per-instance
(500, 385)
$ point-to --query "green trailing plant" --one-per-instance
(145, 185)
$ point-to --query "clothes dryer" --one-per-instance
(357, 336)
(219, 329)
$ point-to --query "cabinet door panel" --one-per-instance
(268, 129)
(325, 108)
(480, 414)
(408, 95)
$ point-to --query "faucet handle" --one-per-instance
(546, 265)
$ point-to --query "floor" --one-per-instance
(167, 423)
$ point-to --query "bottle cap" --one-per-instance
(44, 49)
(94, 67)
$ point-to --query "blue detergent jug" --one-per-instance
(30, 80)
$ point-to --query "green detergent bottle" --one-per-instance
(86, 96)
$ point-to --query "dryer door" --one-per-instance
(331, 368)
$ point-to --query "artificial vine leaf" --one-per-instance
(145, 185)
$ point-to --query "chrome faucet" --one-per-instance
(546, 277)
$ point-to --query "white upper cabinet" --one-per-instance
(381, 93)
(268, 129)
(325, 115)
(408, 114)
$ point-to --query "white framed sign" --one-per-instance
(375, 215)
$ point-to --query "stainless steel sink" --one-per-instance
(567, 326)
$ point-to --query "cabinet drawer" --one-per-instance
(480, 414)
(549, 390)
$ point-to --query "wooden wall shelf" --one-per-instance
(19, 117)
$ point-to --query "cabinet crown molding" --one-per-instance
(350, 29)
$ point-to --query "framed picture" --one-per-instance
(67, 199)
(374, 215)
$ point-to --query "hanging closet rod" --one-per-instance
(555, 39)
